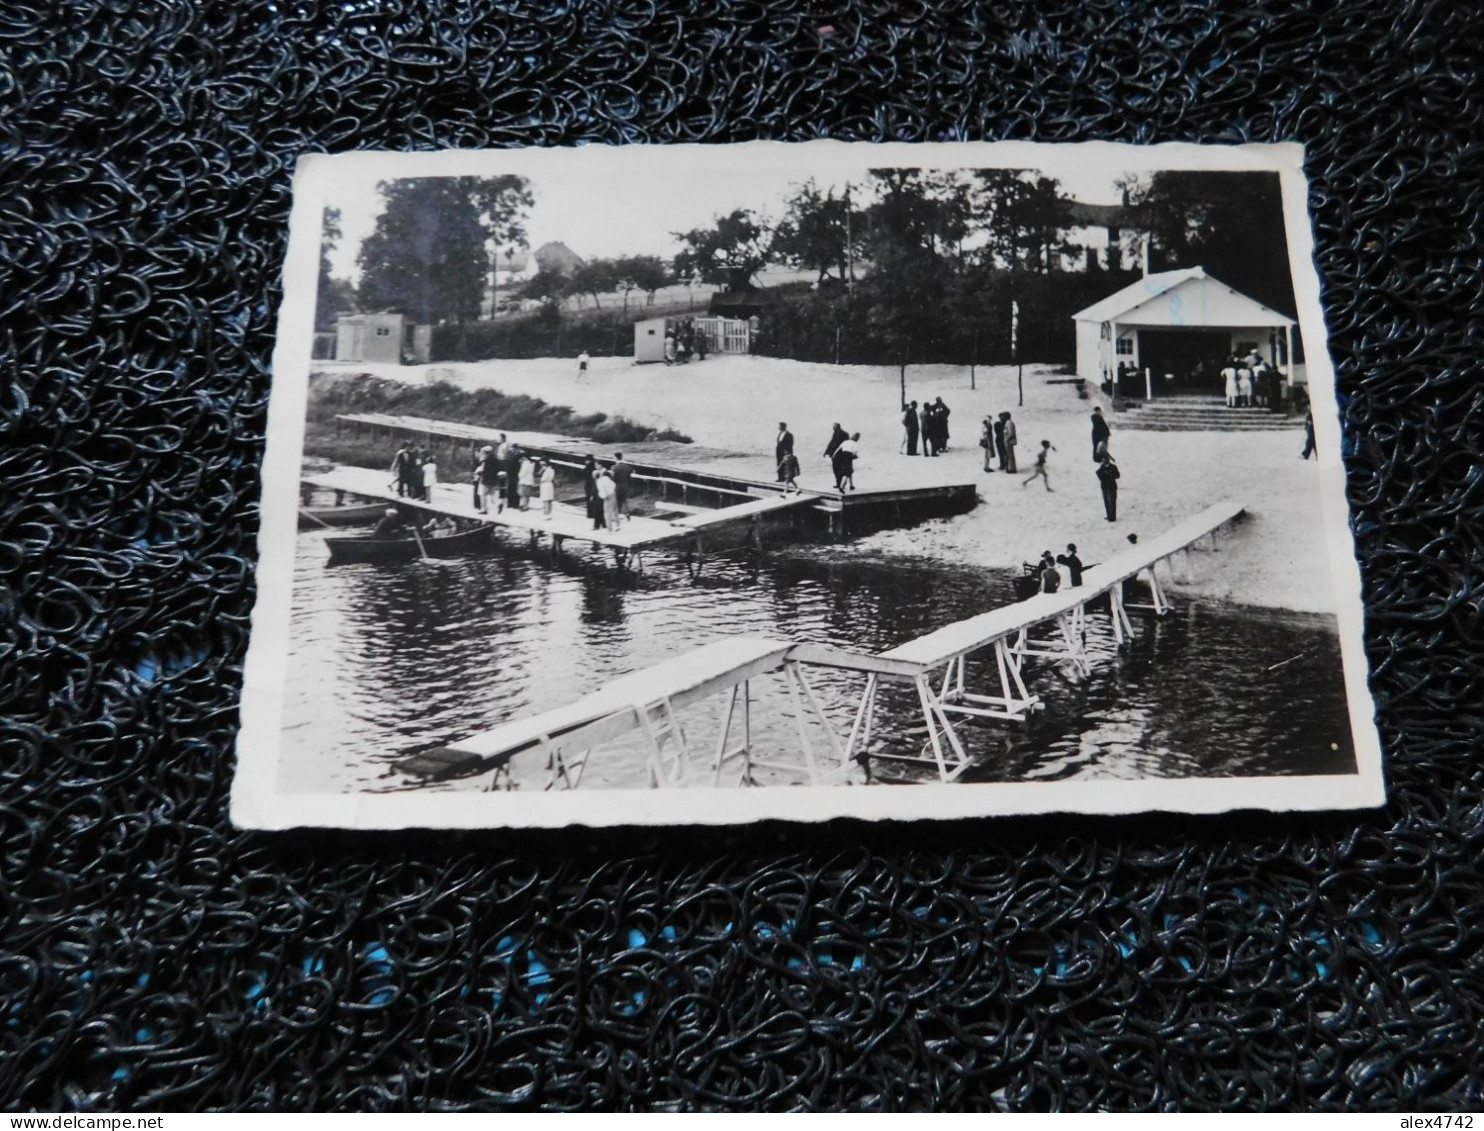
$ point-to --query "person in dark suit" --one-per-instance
(1100, 434)
(837, 437)
(783, 446)
(999, 441)
(1073, 563)
(909, 422)
(511, 466)
(1108, 476)
(925, 427)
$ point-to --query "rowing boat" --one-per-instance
(316, 518)
(363, 549)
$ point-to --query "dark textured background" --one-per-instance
(153, 957)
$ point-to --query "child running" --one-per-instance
(1040, 469)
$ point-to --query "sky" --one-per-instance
(604, 202)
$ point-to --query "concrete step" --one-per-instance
(1165, 426)
(1267, 420)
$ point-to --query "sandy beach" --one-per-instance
(1272, 559)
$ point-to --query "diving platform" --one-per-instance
(647, 701)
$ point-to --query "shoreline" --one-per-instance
(1274, 558)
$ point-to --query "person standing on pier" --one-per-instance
(430, 475)
(782, 446)
(527, 480)
(510, 465)
(844, 463)
(548, 489)
(909, 423)
(402, 470)
(622, 473)
(1100, 434)
(590, 491)
(1108, 476)
(1039, 471)
(608, 493)
(1010, 439)
(999, 440)
(486, 472)
(837, 437)
(788, 474)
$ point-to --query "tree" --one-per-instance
(728, 254)
(595, 277)
(547, 286)
(646, 273)
(1227, 222)
(431, 251)
(334, 296)
(816, 232)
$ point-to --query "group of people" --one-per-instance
(997, 437)
(1048, 577)
(506, 476)
(1252, 383)
(842, 450)
(415, 473)
(684, 341)
(929, 424)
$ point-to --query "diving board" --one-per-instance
(647, 702)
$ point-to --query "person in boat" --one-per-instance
(1050, 575)
(389, 524)
(510, 468)
(590, 491)
(526, 479)
(548, 489)
(608, 493)
(622, 473)
(1073, 563)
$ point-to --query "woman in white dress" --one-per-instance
(430, 475)
(1229, 375)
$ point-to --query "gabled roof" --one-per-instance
(1201, 301)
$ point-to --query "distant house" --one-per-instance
(556, 256)
(511, 266)
(1106, 236)
(1181, 326)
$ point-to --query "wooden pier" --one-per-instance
(687, 470)
(634, 536)
(647, 701)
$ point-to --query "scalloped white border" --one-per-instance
(256, 803)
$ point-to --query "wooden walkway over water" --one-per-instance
(634, 535)
(884, 477)
(648, 701)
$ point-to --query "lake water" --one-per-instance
(389, 659)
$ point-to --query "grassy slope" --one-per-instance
(332, 394)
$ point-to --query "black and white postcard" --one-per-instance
(710, 484)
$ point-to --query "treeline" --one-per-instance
(548, 331)
(856, 327)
